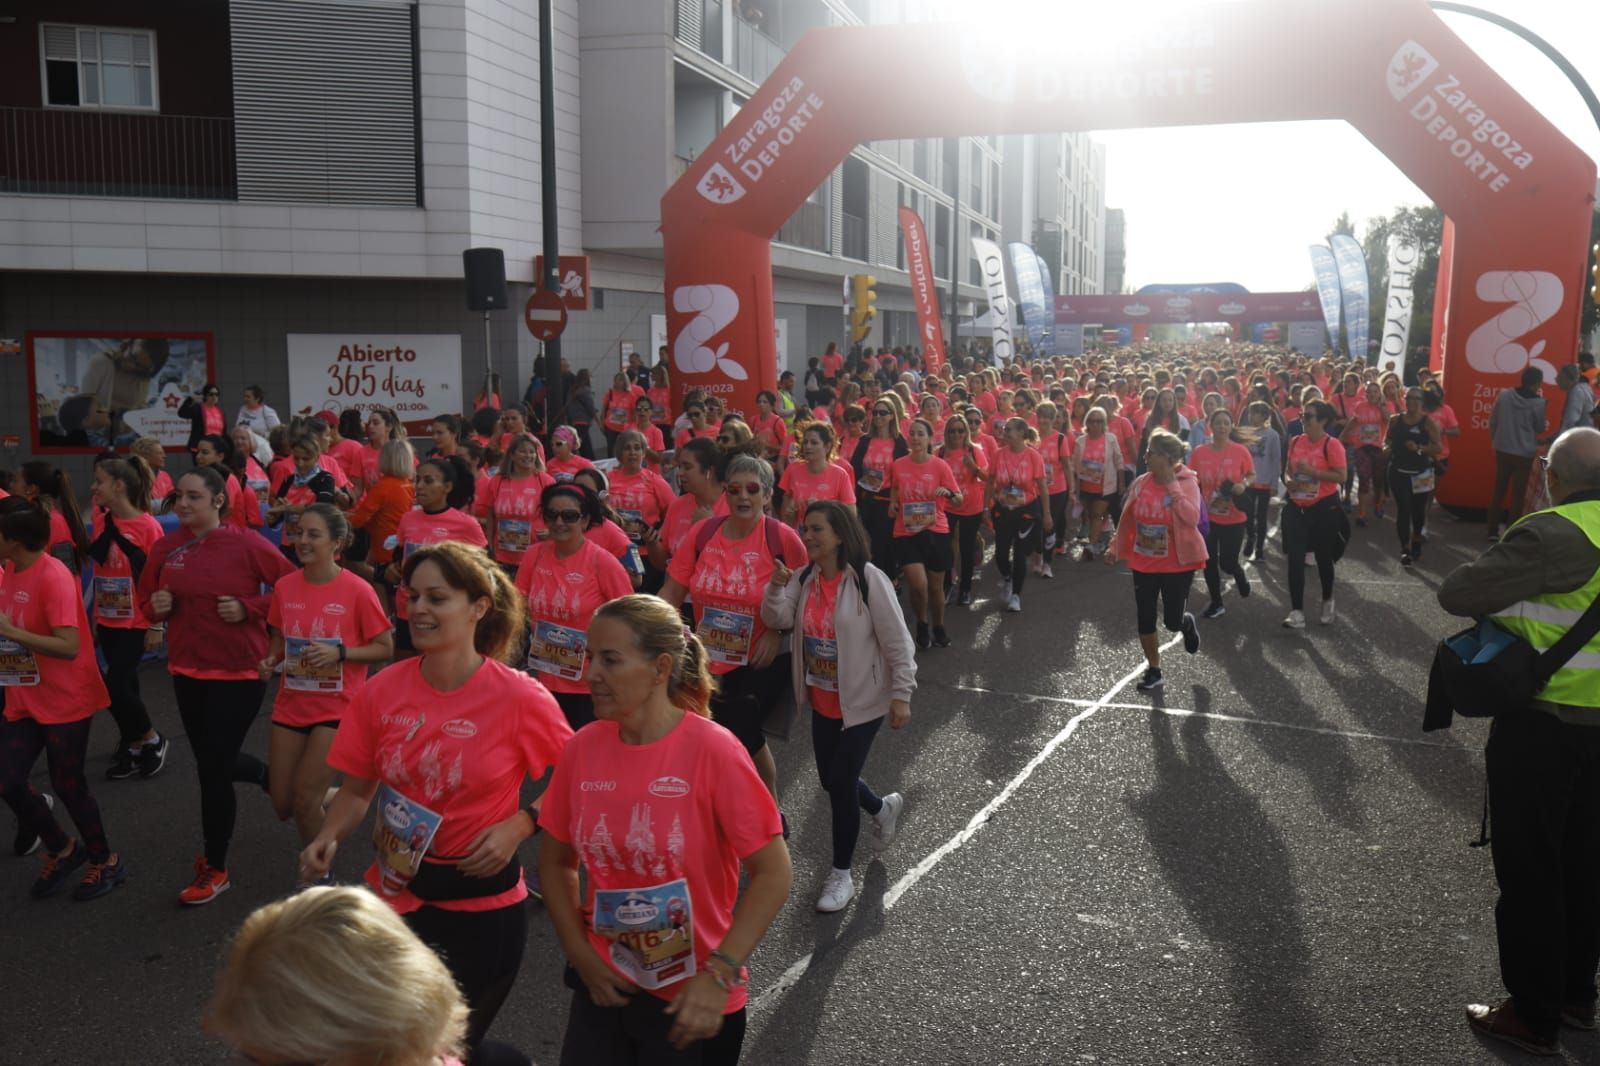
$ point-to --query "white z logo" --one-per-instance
(713, 307)
(1493, 347)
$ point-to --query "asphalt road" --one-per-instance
(1268, 864)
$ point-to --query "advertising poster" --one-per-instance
(416, 375)
(92, 391)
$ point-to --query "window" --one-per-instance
(88, 66)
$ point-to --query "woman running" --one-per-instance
(442, 745)
(655, 445)
(639, 496)
(920, 487)
(204, 580)
(969, 462)
(1160, 538)
(662, 851)
(564, 458)
(327, 628)
(698, 428)
(606, 531)
(1363, 435)
(216, 454)
(1225, 470)
(445, 488)
(818, 477)
(52, 690)
(564, 579)
(1055, 447)
(616, 408)
(1410, 445)
(699, 465)
(120, 551)
(507, 504)
(1266, 459)
(155, 457)
(768, 428)
(49, 488)
(389, 497)
(1313, 520)
(1097, 463)
(309, 484)
(873, 456)
(853, 666)
(1017, 490)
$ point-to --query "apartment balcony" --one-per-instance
(62, 152)
(808, 228)
(855, 237)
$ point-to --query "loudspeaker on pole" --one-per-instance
(485, 270)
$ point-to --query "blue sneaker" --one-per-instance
(55, 870)
(101, 878)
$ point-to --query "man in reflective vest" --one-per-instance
(1544, 760)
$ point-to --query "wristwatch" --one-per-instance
(344, 651)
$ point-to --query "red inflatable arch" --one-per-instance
(1518, 193)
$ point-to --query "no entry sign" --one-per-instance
(546, 315)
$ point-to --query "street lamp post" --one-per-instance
(1538, 42)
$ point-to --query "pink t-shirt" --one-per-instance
(344, 612)
(916, 487)
(1367, 424)
(1212, 467)
(640, 500)
(1016, 476)
(1092, 478)
(351, 458)
(41, 599)
(418, 529)
(160, 486)
(567, 469)
(1326, 454)
(1155, 547)
(563, 595)
(664, 824)
(680, 519)
(1055, 449)
(727, 582)
(819, 641)
(462, 754)
(771, 433)
(801, 485)
(115, 605)
(971, 482)
(875, 464)
(1127, 437)
(1445, 416)
(511, 507)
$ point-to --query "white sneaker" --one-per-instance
(1045, 571)
(887, 821)
(1014, 604)
(1005, 583)
(837, 891)
(1296, 620)
(1327, 611)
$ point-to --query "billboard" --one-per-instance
(105, 389)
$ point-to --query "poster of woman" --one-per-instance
(98, 390)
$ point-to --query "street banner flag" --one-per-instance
(1327, 273)
(1354, 287)
(1403, 255)
(922, 289)
(993, 268)
(1030, 294)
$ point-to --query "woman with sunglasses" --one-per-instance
(655, 445)
(564, 458)
(1312, 519)
(1097, 464)
(1055, 448)
(818, 477)
(507, 504)
(1225, 470)
(699, 427)
(968, 460)
(872, 459)
(205, 415)
(921, 485)
(1017, 490)
(1410, 446)
(565, 579)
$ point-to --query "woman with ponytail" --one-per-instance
(661, 763)
(49, 487)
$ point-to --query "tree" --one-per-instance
(1426, 226)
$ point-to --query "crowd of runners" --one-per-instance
(440, 629)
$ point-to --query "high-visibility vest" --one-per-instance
(786, 407)
(1542, 620)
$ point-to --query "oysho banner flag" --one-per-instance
(1403, 254)
(1030, 293)
(1355, 289)
(922, 289)
(1327, 274)
(1049, 347)
(993, 268)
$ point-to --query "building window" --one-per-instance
(95, 67)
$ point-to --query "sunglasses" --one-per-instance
(733, 488)
(695, 412)
(882, 414)
(571, 518)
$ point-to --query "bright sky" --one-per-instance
(1200, 224)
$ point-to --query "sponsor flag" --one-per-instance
(1030, 294)
(922, 289)
(1403, 255)
(993, 267)
(1327, 273)
(1049, 297)
(1353, 285)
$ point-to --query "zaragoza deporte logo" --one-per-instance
(1409, 68)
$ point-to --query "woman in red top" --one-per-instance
(216, 454)
(155, 457)
(442, 746)
(873, 456)
(206, 418)
(1159, 536)
(205, 580)
(1312, 519)
(768, 429)
(120, 550)
(1055, 448)
(1098, 465)
(699, 465)
(1017, 489)
(507, 504)
(445, 489)
(699, 427)
(1225, 469)
(616, 409)
(564, 458)
(655, 445)
(920, 485)
(382, 426)
(683, 812)
(564, 579)
(327, 627)
(639, 496)
(660, 394)
(52, 690)
(818, 477)
(968, 460)
(1364, 433)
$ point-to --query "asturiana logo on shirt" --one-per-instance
(333, 608)
(459, 728)
(669, 787)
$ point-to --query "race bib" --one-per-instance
(558, 650)
(291, 526)
(18, 667)
(632, 523)
(563, 475)
(1303, 487)
(919, 515)
(619, 414)
(301, 676)
(1093, 470)
(1422, 482)
(1370, 434)
(1013, 496)
(113, 597)
(1150, 540)
(258, 487)
(1221, 505)
(651, 931)
(1049, 472)
(822, 663)
(726, 635)
(402, 833)
(513, 534)
(871, 479)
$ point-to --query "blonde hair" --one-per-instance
(1167, 444)
(396, 459)
(144, 447)
(334, 975)
(658, 629)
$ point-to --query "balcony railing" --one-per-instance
(100, 153)
(807, 228)
(855, 237)
(755, 55)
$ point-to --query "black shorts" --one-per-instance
(1173, 592)
(305, 730)
(1095, 497)
(927, 549)
(745, 696)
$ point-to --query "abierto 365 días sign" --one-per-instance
(416, 375)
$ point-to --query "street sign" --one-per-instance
(546, 315)
(572, 272)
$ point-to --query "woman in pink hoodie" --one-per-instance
(1160, 537)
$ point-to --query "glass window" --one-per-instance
(86, 66)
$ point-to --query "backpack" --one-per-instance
(770, 526)
(861, 580)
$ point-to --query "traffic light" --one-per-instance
(863, 305)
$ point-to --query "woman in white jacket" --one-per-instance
(854, 665)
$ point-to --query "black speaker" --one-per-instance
(486, 278)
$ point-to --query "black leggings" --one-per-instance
(1222, 545)
(636, 1035)
(965, 531)
(1410, 508)
(841, 754)
(65, 747)
(217, 715)
(1173, 592)
(880, 532)
(1017, 534)
(1309, 529)
(124, 648)
(483, 950)
(1058, 516)
(1256, 502)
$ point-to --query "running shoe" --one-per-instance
(1494, 538)
(1151, 680)
(1005, 583)
(101, 878)
(1361, 523)
(1216, 610)
(1327, 611)
(1377, 509)
(209, 883)
(153, 757)
(1502, 1023)
(924, 637)
(1014, 604)
(836, 893)
(1296, 620)
(1045, 571)
(55, 869)
(887, 821)
(941, 639)
(966, 598)
(1191, 634)
(1416, 550)
(26, 842)
(1242, 583)
(122, 765)
(1405, 558)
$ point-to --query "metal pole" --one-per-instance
(554, 392)
(1538, 42)
(955, 255)
(488, 354)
